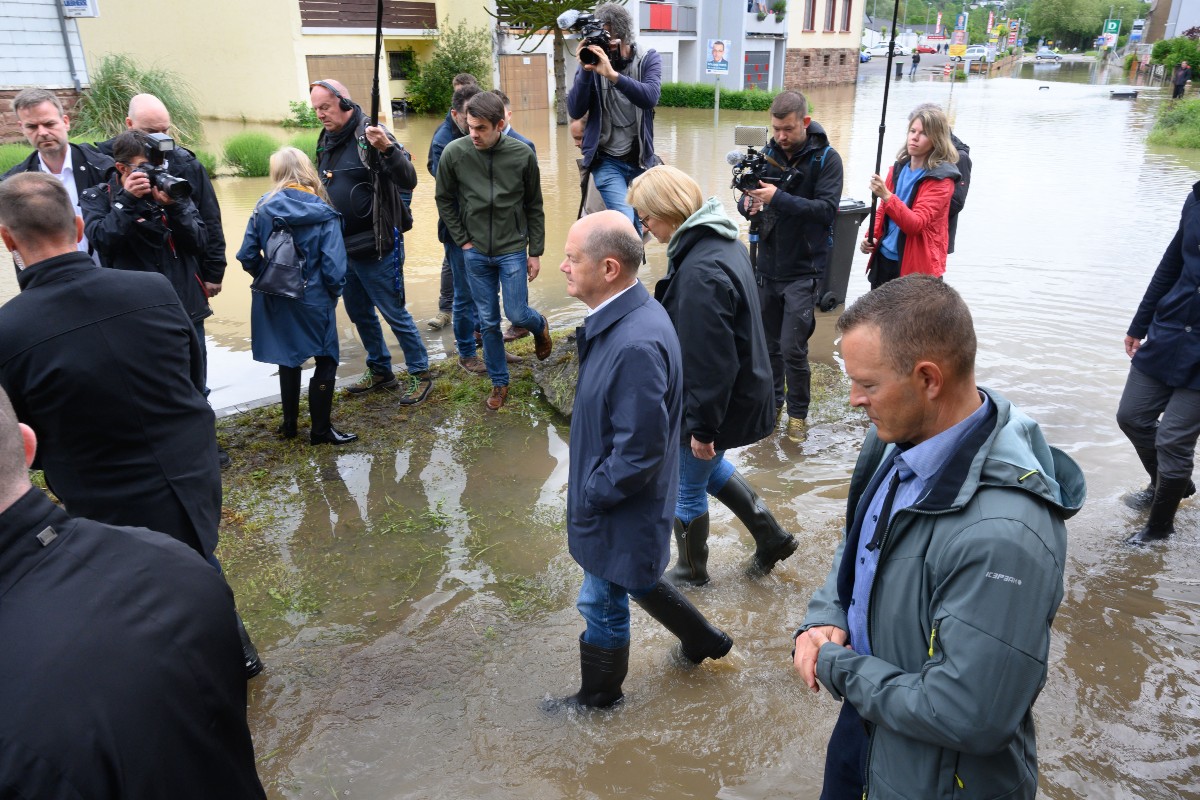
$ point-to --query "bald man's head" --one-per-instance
(603, 253)
(328, 106)
(148, 114)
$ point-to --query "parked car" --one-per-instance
(863, 57)
(1046, 54)
(975, 52)
(882, 50)
(924, 48)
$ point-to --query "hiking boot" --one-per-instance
(510, 358)
(543, 344)
(496, 399)
(797, 429)
(515, 332)
(371, 381)
(415, 388)
(438, 322)
(473, 365)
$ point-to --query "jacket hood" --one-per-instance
(960, 145)
(297, 207)
(1016, 455)
(711, 215)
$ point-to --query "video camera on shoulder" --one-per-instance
(590, 30)
(157, 145)
(751, 167)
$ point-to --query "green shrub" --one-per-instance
(1169, 52)
(700, 95)
(13, 154)
(1178, 125)
(115, 80)
(306, 142)
(249, 154)
(208, 161)
(303, 116)
(458, 49)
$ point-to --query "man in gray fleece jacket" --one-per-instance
(933, 627)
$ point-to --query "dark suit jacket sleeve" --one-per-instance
(827, 194)
(637, 406)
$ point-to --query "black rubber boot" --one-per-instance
(691, 567)
(1142, 500)
(602, 672)
(250, 657)
(320, 405)
(289, 395)
(772, 543)
(699, 637)
(1161, 524)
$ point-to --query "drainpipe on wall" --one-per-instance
(62, 24)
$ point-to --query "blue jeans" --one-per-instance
(370, 285)
(463, 316)
(605, 608)
(697, 480)
(612, 179)
(488, 276)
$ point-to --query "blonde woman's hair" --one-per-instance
(665, 193)
(291, 166)
(937, 128)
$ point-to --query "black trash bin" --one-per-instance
(899, 69)
(832, 291)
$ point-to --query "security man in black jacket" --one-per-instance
(119, 660)
(46, 126)
(794, 210)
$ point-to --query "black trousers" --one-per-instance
(1177, 92)
(788, 322)
(846, 757)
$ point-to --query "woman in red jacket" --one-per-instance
(911, 231)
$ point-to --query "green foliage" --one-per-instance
(115, 80)
(208, 161)
(1169, 52)
(701, 95)
(302, 116)
(1178, 125)
(1077, 23)
(306, 142)
(249, 154)
(13, 154)
(458, 49)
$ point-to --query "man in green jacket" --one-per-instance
(489, 196)
(933, 627)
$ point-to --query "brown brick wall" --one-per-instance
(10, 131)
(804, 67)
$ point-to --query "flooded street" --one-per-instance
(415, 607)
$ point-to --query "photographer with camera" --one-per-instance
(616, 88)
(135, 223)
(792, 210)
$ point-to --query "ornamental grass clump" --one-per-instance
(249, 154)
(115, 80)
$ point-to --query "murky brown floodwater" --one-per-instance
(420, 605)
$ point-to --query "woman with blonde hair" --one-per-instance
(912, 228)
(288, 332)
(729, 395)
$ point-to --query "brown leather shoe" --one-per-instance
(512, 358)
(543, 343)
(473, 365)
(497, 397)
(515, 332)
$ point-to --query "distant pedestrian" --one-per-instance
(916, 59)
(1180, 80)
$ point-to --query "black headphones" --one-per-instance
(345, 104)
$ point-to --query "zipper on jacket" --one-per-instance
(491, 197)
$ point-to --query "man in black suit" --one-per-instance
(119, 662)
(106, 367)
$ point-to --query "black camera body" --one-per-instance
(157, 145)
(750, 168)
(591, 31)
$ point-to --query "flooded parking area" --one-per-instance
(417, 605)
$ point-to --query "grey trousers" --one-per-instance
(446, 295)
(1161, 418)
(788, 322)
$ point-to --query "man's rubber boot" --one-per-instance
(602, 672)
(320, 405)
(699, 638)
(1142, 500)
(1161, 524)
(250, 657)
(691, 567)
(772, 543)
(289, 395)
